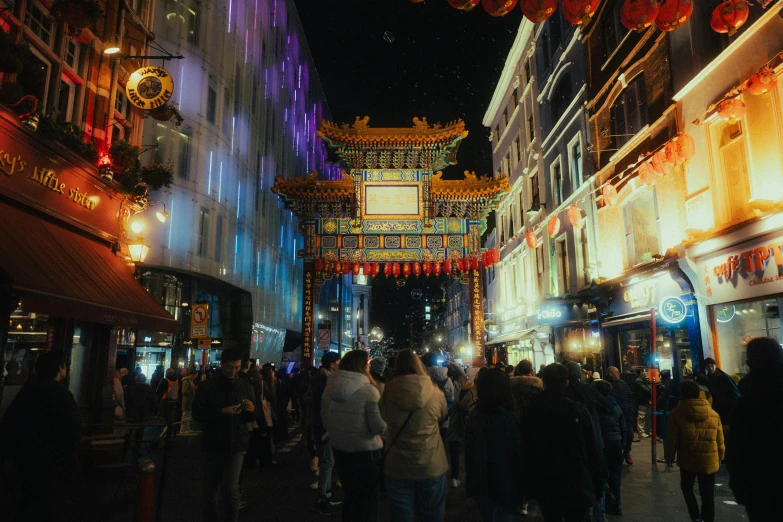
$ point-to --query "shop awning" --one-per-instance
(64, 274)
(626, 319)
(511, 337)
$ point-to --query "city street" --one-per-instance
(281, 492)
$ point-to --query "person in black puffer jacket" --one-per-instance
(624, 396)
(613, 429)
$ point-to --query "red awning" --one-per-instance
(64, 274)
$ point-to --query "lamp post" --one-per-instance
(137, 249)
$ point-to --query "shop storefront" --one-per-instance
(626, 334)
(575, 331)
(64, 284)
(742, 288)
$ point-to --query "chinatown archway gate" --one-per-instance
(391, 209)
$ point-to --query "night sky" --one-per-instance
(442, 63)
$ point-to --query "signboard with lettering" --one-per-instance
(562, 313)
(672, 309)
(747, 270)
(392, 201)
(308, 311)
(199, 320)
(38, 175)
(646, 293)
(476, 311)
(149, 87)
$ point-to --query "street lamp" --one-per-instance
(137, 249)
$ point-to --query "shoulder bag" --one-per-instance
(381, 476)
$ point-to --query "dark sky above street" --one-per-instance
(441, 63)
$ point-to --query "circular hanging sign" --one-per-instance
(672, 309)
(725, 313)
(149, 87)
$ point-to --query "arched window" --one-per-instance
(561, 98)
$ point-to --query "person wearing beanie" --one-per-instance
(377, 367)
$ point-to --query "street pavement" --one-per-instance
(281, 492)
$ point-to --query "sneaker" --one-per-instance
(628, 459)
(314, 485)
(323, 507)
(455, 483)
(522, 510)
(332, 500)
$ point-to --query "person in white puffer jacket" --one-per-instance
(349, 409)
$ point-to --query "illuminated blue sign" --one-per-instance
(672, 309)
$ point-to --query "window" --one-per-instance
(576, 163)
(34, 77)
(557, 184)
(161, 150)
(561, 251)
(502, 228)
(211, 105)
(227, 112)
(522, 203)
(497, 133)
(629, 113)
(582, 240)
(219, 239)
(508, 162)
(514, 99)
(561, 98)
(121, 105)
(517, 150)
(641, 228)
(527, 71)
(540, 270)
(535, 197)
(734, 165)
(40, 23)
(505, 118)
(72, 52)
(192, 19)
(531, 130)
(183, 163)
(65, 100)
(614, 30)
(203, 232)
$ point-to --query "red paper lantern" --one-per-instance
(660, 164)
(406, 269)
(576, 215)
(474, 263)
(485, 259)
(447, 266)
(437, 268)
(762, 82)
(498, 7)
(319, 265)
(638, 14)
(495, 255)
(538, 10)
(337, 267)
(531, 238)
(416, 267)
(396, 270)
(578, 12)
(686, 146)
(673, 13)
(729, 16)
(387, 269)
(731, 110)
(673, 153)
(426, 267)
(610, 194)
(553, 227)
(375, 268)
(464, 264)
(347, 267)
(646, 173)
(357, 268)
(464, 5)
(367, 269)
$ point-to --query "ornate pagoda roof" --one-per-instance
(424, 146)
(472, 186)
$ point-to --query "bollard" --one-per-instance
(145, 493)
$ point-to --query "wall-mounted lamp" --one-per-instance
(138, 250)
(114, 45)
(162, 215)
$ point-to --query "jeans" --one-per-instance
(613, 454)
(454, 458)
(359, 473)
(706, 491)
(644, 419)
(187, 416)
(325, 466)
(555, 511)
(491, 511)
(423, 500)
(221, 472)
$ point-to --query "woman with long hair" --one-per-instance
(349, 409)
(415, 465)
(493, 449)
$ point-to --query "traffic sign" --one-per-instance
(324, 339)
(199, 318)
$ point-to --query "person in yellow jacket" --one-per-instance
(694, 437)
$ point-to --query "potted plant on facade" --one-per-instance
(70, 136)
(13, 55)
(124, 157)
(78, 14)
(166, 112)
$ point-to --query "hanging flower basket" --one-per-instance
(78, 14)
(166, 112)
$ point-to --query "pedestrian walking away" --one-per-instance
(224, 406)
(415, 463)
(330, 362)
(613, 428)
(624, 396)
(724, 391)
(349, 408)
(188, 394)
(695, 442)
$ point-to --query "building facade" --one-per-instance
(251, 100)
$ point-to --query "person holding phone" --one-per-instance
(224, 406)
